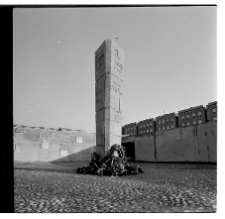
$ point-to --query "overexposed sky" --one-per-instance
(170, 62)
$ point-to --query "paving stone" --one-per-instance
(40, 189)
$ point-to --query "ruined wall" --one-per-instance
(189, 144)
(44, 146)
(109, 67)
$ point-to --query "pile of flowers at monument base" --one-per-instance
(113, 164)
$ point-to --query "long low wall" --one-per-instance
(45, 145)
(189, 144)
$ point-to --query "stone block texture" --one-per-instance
(109, 76)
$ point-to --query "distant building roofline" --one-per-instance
(211, 103)
(130, 124)
(146, 120)
(166, 115)
(192, 108)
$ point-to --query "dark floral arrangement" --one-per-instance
(113, 164)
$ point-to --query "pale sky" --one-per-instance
(170, 62)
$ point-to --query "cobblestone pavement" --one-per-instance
(55, 187)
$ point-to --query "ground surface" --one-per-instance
(55, 187)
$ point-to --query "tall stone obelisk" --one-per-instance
(109, 74)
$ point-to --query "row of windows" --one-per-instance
(193, 122)
(147, 131)
(172, 126)
(183, 117)
(193, 115)
(164, 128)
(147, 125)
(131, 133)
(130, 128)
(165, 120)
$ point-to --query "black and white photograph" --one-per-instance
(115, 109)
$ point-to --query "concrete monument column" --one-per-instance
(109, 74)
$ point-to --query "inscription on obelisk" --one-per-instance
(109, 74)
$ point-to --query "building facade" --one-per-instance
(146, 126)
(211, 111)
(166, 122)
(192, 116)
(130, 129)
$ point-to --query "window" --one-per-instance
(171, 119)
(147, 125)
(167, 120)
(199, 113)
(159, 129)
(143, 131)
(150, 124)
(159, 122)
(79, 139)
(188, 123)
(199, 121)
(214, 110)
(140, 132)
(163, 128)
(163, 121)
(63, 152)
(168, 127)
(182, 117)
(187, 116)
(183, 124)
(140, 126)
(150, 130)
(45, 144)
(147, 131)
(144, 126)
(193, 115)
(171, 126)
(194, 122)
(214, 119)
